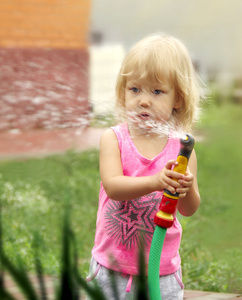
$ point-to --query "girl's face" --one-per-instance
(148, 102)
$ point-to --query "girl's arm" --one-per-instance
(120, 187)
(189, 199)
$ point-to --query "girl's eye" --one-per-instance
(157, 92)
(135, 89)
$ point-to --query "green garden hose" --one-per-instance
(154, 262)
(164, 219)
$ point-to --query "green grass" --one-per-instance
(215, 230)
(34, 194)
(220, 177)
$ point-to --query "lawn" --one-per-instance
(34, 196)
(215, 230)
(220, 177)
(35, 192)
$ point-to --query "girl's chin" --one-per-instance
(145, 125)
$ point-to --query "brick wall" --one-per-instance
(44, 23)
(44, 64)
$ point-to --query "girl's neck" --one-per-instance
(145, 133)
(148, 144)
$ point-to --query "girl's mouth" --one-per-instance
(145, 116)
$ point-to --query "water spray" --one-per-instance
(164, 219)
(163, 128)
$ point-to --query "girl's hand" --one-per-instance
(186, 183)
(166, 176)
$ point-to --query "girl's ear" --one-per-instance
(178, 102)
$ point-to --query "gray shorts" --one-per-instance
(171, 285)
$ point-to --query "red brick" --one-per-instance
(26, 23)
(42, 89)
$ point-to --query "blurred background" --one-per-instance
(58, 65)
(211, 31)
(59, 58)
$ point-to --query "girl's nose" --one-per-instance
(144, 101)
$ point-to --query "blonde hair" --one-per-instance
(163, 58)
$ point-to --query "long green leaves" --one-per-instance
(70, 281)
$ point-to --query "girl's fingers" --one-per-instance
(171, 163)
(172, 182)
(186, 181)
(174, 175)
(182, 190)
(172, 185)
(171, 189)
(182, 183)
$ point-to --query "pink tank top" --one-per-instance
(122, 225)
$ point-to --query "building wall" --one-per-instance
(44, 23)
(105, 63)
(44, 64)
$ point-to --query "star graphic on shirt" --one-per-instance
(129, 221)
(133, 216)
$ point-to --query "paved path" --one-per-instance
(49, 283)
(41, 143)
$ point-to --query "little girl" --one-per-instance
(156, 86)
